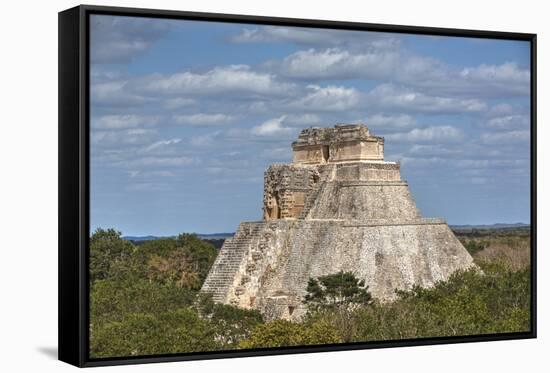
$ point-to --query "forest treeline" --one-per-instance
(145, 301)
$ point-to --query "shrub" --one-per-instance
(147, 334)
(281, 333)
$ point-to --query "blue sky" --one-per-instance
(186, 116)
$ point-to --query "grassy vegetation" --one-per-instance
(144, 300)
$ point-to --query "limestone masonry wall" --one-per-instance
(338, 206)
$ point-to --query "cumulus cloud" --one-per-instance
(337, 64)
(154, 162)
(179, 102)
(437, 150)
(329, 98)
(223, 79)
(303, 119)
(117, 93)
(203, 141)
(116, 39)
(136, 136)
(384, 122)
(272, 127)
(150, 174)
(391, 97)
(508, 73)
(124, 121)
(402, 67)
(509, 122)
(501, 109)
(202, 119)
(428, 134)
(510, 137)
(315, 37)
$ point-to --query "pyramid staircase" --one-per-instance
(313, 195)
(230, 258)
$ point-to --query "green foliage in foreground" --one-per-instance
(147, 334)
(337, 297)
(281, 333)
(144, 300)
(469, 303)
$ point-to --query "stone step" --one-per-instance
(229, 260)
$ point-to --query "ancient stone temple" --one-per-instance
(337, 206)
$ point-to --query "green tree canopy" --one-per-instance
(109, 253)
(281, 333)
(336, 290)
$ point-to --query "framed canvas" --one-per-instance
(235, 186)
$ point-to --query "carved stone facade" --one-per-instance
(343, 143)
(338, 206)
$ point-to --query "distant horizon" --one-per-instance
(185, 116)
(221, 233)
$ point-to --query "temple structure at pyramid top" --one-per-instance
(333, 175)
(343, 143)
(339, 206)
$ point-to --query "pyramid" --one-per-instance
(337, 207)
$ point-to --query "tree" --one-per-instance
(138, 334)
(184, 261)
(113, 299)
(341, 289)
(201, 254)
(283, 333)
(232, 324)
(335, 298)
(109, 254)
(469, 302)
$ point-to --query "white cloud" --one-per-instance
(442, 133)
(161, 144)
(520, 137)
(502, 109)
(402, 67)
(421, 161)
(382, 121)
(272, 127)
(149, 187)
(316, 37)
(433, 150)
(177, 161)
(179, 102)
(330, 98)
(508, 73)
(117, 93)
(204, 141)
(303, 119)
(136, 136)
(115, 39)
(338, 64)
(472, 163)
(509, 122)
(224, 79)
(148, 174)
(391, 97)
(202, 119)
(117, 122)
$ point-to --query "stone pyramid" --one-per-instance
(337, 206)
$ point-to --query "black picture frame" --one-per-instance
(74, 205)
